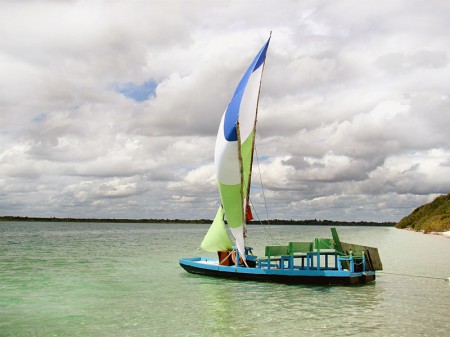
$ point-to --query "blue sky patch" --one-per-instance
(138, 92)
(39, 118)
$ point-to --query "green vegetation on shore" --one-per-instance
(201, 221)
(432, 217)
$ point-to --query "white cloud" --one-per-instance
(353, 120)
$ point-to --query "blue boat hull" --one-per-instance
(211, 267)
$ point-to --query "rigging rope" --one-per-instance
(262, 186)
(265, 203)
(264, 199)
(262, 223)
(420, 276)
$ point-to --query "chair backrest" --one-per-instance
(320, 243)
(299, 247)
(276, 250)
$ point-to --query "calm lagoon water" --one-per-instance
(109, 279)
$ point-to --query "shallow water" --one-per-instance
(109, 279)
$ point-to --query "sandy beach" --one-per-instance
(446, 234)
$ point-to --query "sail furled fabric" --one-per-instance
(234, 147)
(217, 236)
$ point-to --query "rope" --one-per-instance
(261, 222)
(419, 276)
(265, 202)
(226, 257)
(262, 186)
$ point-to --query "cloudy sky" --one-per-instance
(111, 108)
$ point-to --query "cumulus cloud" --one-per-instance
(110, 109)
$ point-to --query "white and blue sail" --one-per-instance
(234, 155)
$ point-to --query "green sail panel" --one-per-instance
(217, 237)
(231, 199)
(247, 155)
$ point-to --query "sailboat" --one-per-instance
(322, 261)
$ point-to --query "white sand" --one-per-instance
(445, 234)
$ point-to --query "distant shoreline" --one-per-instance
(200, 221)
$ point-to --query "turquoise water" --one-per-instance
(109, 279)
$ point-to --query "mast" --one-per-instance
(253, 145)
(241, 169)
